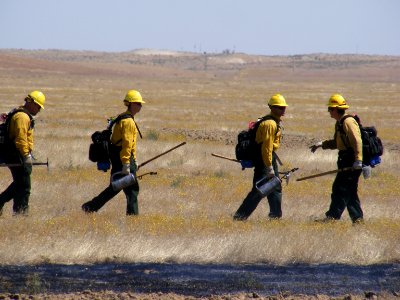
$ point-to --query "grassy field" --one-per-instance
(186, 210)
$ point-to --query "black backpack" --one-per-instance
(99, 150)
(247, 147)
(372, 145)
(6, 146)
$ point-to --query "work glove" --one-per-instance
(27, 160)
(357, 165)
(366, 172)
(314, 147)
(126, 169)
(246, 164)
(270, 172)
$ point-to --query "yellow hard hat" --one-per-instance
(338, 101)
(277, 100)
(133, 96)
(37, 97)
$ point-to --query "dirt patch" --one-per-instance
(230, 138)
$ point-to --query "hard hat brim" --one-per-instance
(281, 105)
(339, 106)
(41, 105)
(126, 102)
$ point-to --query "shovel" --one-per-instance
(20, 164)
(366, 171)
(161, 154)
(235, 160)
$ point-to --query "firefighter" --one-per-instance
(347, 139)
(122, 156)
(19, 151)
(268, 137)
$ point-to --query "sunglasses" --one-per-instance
(280, 107)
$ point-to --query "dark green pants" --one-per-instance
(19, 190)
(344, 190)
(252, 200)
(108, 193)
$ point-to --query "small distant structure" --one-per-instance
(228, 52)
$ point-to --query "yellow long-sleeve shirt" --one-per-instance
(269, 136)
(125, 135)
(21, 133)
(351, 138)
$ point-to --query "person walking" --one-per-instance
(122, 156)
(346, 139)
(20, 124)
(268, 137)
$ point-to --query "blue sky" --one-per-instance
(280, 27)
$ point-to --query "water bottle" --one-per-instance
(376, 160)
(103, 166)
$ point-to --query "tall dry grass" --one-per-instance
(186, 210)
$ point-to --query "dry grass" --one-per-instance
(185, 211)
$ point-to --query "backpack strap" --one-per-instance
(121, 117)
(262, 119)
(269, 117)
(17, 110)
(340, 130)
(112, 121)
(137, 127)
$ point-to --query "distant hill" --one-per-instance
(161, 63)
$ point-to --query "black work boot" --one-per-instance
(86, 208)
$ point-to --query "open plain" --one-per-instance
(186, 209)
